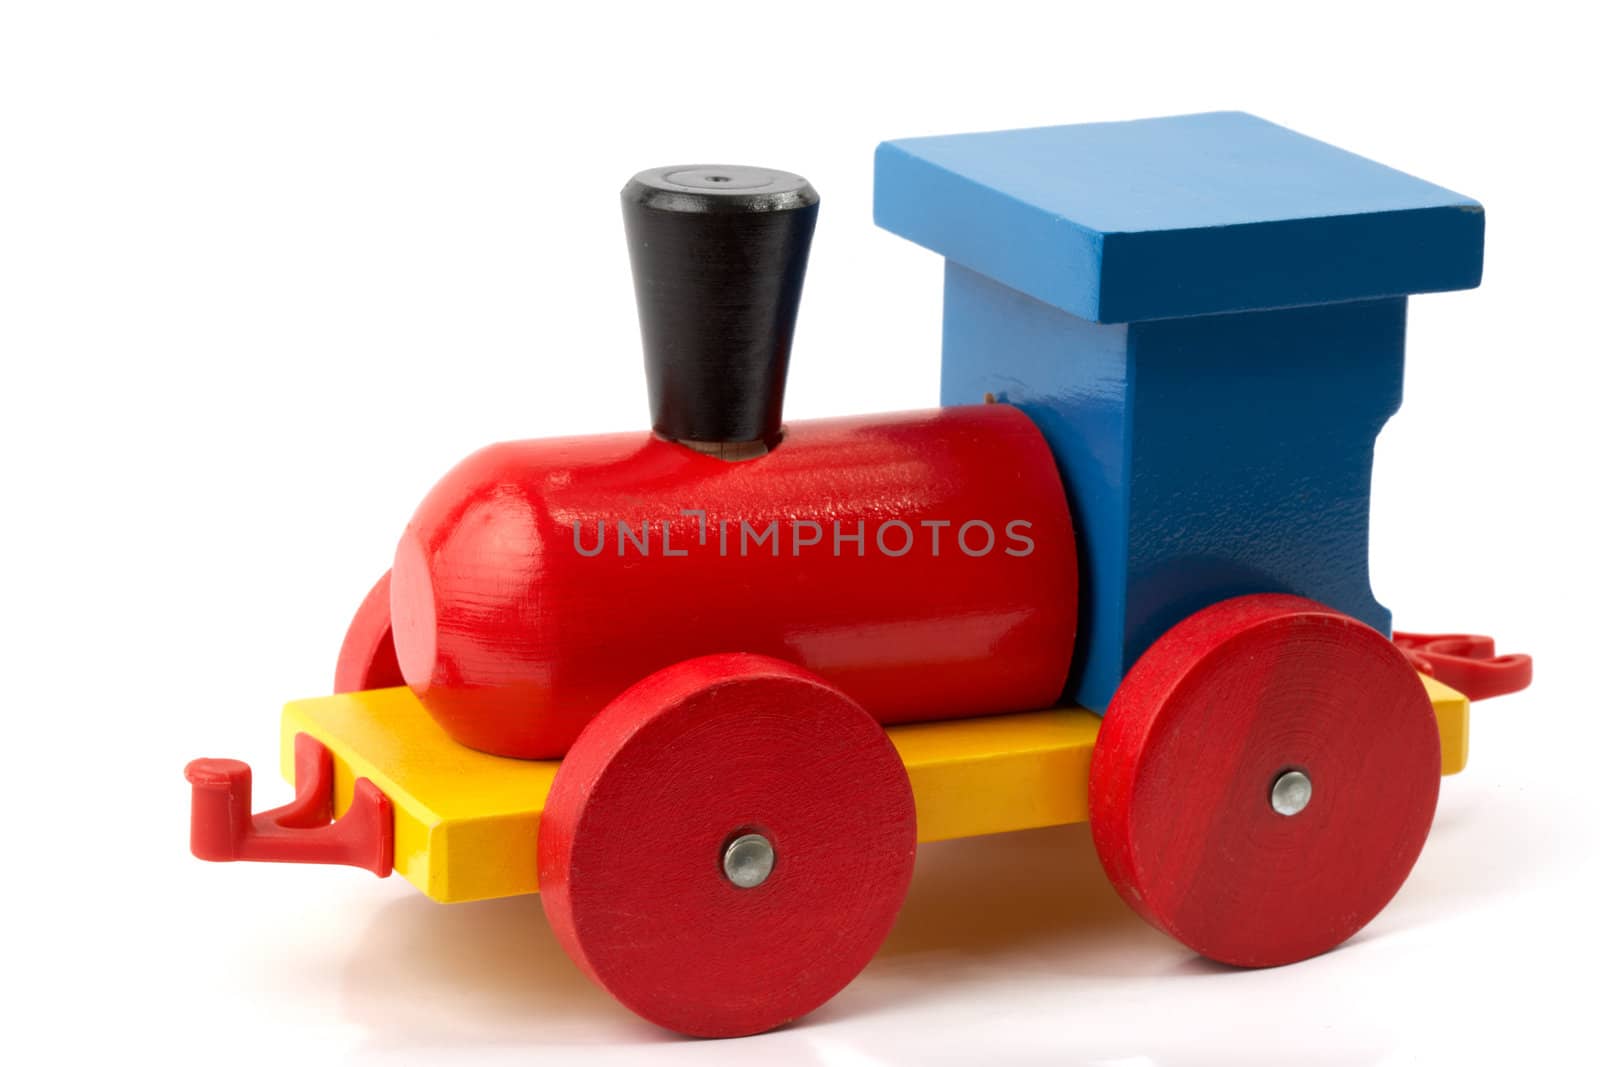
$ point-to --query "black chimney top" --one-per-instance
(719, 257)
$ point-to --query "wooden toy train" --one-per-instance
(1169, 346)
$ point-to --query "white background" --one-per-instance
(267, 271)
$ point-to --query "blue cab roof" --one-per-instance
(1168, 217)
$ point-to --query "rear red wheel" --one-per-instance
(727, 844)
(1264, 780)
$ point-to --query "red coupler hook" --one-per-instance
(1467, 663)
(304, 830)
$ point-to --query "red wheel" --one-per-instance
(727, 845)
(367, 659)
(1264, 780)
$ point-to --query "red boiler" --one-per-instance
(924, 563)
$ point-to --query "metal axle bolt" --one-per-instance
(1291, 793)
(748, 860)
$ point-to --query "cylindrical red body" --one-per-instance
(540, 579)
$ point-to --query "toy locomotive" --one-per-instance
(705, 688)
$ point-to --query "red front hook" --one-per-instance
(221, 827)
(1467, 663)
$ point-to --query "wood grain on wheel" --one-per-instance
(1181, 780)
(646, 801)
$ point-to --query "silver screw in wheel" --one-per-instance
(748, 860)
(1291, 793)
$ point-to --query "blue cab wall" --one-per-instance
(1250, 470)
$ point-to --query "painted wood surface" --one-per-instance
(467, 823)
(671, 772)
(1176, 216)
(1183, 773)
(921, 562)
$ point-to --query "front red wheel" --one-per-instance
(1264, 780)
(727, 844)
(367, 659)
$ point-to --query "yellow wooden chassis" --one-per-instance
(466, 824)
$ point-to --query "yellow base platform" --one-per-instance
(466, 824)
